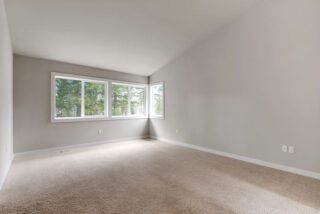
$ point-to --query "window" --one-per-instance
(78, 98)
(128, 100)
(157, 100)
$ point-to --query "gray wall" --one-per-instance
(250, 87)
(32, 127)
(5, 95)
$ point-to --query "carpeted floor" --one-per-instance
(150, 177)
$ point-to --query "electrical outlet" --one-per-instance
(99, 131)
(177, 131)
(284, 148)
(291, 149)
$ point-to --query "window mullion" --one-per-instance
(129, 98)
(82, 98)
(146, 103)
(110, 99)
(106, 101)
(151, 101)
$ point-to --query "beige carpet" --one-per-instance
(146, 177)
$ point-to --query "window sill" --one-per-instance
(127, 118)
(157, 117)
(92, 119)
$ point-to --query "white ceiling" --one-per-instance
(133, 36)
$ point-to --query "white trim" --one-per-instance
(53, 97)
(3, 179)
(129, 100)
(128, 83)
(97, 118)
(106, 99)
(82, 100)
(39, 151)
(243, 158)
(131, 117)
(95, 79)
(157, 117)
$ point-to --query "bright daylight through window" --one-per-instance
(156, 100)
(128, 100)
(78, 98)
(68, 98)
(94, 98)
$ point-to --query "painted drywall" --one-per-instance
(251, 87)
(5, 95)
(31, 100)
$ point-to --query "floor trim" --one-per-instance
(19, 154)
(3, 179)
(243, 158)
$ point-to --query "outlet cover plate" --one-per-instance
(284, 148)
(291, 149)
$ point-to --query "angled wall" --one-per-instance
(251, 87)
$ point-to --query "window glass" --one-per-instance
(119, 100)
(157, 100)
(94, 98)
(137, 100)
(68, 98)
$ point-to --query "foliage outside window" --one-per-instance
(119, 100)
(68, 98)
(80, 98)
(77, 98)
(128, 100)
(94, 98)
(137, 100)
(156, 100)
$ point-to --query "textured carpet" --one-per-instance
(146, 177)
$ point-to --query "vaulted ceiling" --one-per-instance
(133, 36)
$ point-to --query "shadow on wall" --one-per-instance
(153, 132)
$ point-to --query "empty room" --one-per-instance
(160, 106)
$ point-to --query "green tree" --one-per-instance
(68, 98)
(119, 100)
(94, 98)
(137, 100)
(157, 99)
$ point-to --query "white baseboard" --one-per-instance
(243, 158)
(77, 146)
(3, 178)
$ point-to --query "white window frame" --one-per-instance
(146, 108)
(108, 99)
(163, 103)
